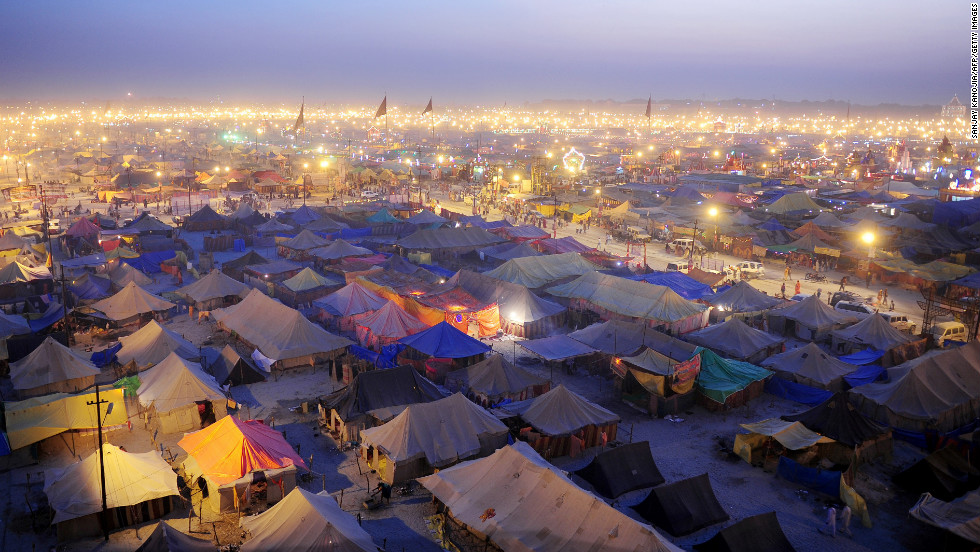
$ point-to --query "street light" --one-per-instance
(869, 238)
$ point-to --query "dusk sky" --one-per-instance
(900, 51)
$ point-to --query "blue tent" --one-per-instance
(772, 225)
(681, 283)
(444, 341)
(957, 214)
(149, 262)
(91, 287)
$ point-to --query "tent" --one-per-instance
(508, 251)
(811, 229)
(427, 436)
(944, 474)
(556, 347)
(759, 532)
(82, 228)
(304, 521)
(960, 517)
(528, 494)
(793, 203)
(14, 273)
(536, 272)
(130, 302)
(812, 319)
(90, 286)
(938, 391)
(123, 273)
(214, 290)
(304, 241)
(375, 396)
(495, 379)
(828, 220)
(742, 298)
(654, 382)
(338, 250)
(205, 219)
(272, 226)
(306, 280)
(683, 507)
(444, 341)
(620, 470)
(172, 391)
(736, 339)
(839, 420)
(279, 332)
(654, 305)
(303, 215)
(153, 343)
(462, 239)
(11, 325)
(33, 420)
(347, 303)
(426, 217)
(383, 217)
(52, 368)
(617, 337)
(810, 365)
(10, 241)
(728, 383)
(791, 435)
(386, 326)
(234, 267)
(231, 454)
(873, 332)
(681, 283)
(230, 368)
(75, 494)
(167, 539)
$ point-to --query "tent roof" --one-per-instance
(720, 377)
(759, 532)
(839, 420)
(814, 313)
(810, 228)
(828, 220)
(213, 285)
(791, 203)
(248, 259)
(960, 517)
(524, 490)
(443, 432)
(622, 469)
(51, 362)
(391, 321)
(230, 368)
(556, 347)
(426, 217)
(125, 273)
(875, 332)
(629, 298)
(680, 283)
(445, 341)
(559, 412)
(153, 343)
(535, 272)
(945, 474)
(381, 390)
(273, 225)
(303, 215)
(277, 330)
(683, 507)
(10, 240)
(13, 324)
(508, 251)
(383, 216)
(350, 300)
(82, 228)
(15, 272)
(651, 361)
(149, 223)
(205, 214)
(305, 240)
(174, 383)
(494, 377)
(792, 435)
(516, 302)
(440, 238)
(230, 448)
(338, 250)
(734, 338)
(165, 538)
(305, 280)
(809, 365)
(131, 479)
(306, 521)
(244, 211)
(617, 337)
(131, 300)
(742, 297)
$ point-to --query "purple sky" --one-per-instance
(899, 51)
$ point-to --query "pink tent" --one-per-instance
(386, 326)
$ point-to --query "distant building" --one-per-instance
(954, 109)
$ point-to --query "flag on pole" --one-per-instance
(428, 107)
(383, 108)
(649, 106)
(299, 120)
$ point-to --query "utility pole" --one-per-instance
(64, 307)
(690, 259)
(105, 508)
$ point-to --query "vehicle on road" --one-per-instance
(945, 332)
(751, 269)
(368, 194)
(899, 321)
(678, 267)
(856, 309)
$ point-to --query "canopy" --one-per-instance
(494, 377)
(338, 250)
(33, 420)
(535, 272)
(617, 337)
(837, 419)
(131, 301)
(528, 493)
(720, 378)
(742, 297)
(443, 432)
(681, 283)
(960, 517)
(508, 251)
(275, 329)
(875, 332)
(622, 469)
(306, 280)
(130, 479)
(167, 539)
(734, 338)
(444, 238)
(759, 532)
(13, 324)
(153, 343)
(810, 365)
(813, 313)
(792, 435)
(230, 368)
(230, 448)
(305, 240)
(51, 363)
(306, 522)
(350, 300)
(17, 273)
(683, 507)
(556, 347)
(559, 412)
(376, 390)
(213, 286)
(629, 298)
(444, 341)
(794, 203)
(174, 383)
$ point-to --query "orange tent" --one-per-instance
(231, 448)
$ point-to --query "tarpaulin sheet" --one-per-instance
(150, 262)
(824, 481)
(445, 341)
(54, 313)
(796, 391)
(105, 356)
(681, 283)
(865, 374)
(861, 358)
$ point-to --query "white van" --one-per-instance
(678, 267)
(899, 321)
(751, 269)
(943, 332)
(855, 309)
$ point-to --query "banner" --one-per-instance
(827, 251)
(685, 374)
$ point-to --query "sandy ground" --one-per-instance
(681, 449)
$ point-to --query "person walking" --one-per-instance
(782, 290)
(797, 287)
(867, 280)
(843, 282)
(786, 273)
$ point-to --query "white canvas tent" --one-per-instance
(166, 538)
(131, 301)
(810, 365)
(214, 290)
(172, 390)
(153, 343)
(306, 522)
(52, 368)
(33, 420)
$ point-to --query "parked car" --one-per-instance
(368, 194)
(839, 296)
(899, 321)
(800, 296)
(751, 269)
(854, 308)
(944, 332)
(678, 267)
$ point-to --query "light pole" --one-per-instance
(713, 213)
(98, 415)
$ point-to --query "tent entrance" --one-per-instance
(206, 412)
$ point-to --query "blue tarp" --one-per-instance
(866, 374)
(823, 481)
(438, 270)
(4, 444)
(772, 225)
(444, 341)
(681, 283)
(106, 356)
(861, 358)
(797, 391)
(921, 440)
(150, 262)
(54, 313)
(492, 225)
(383, 360)
(972, 281)
(91, 288)
(956, 214)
